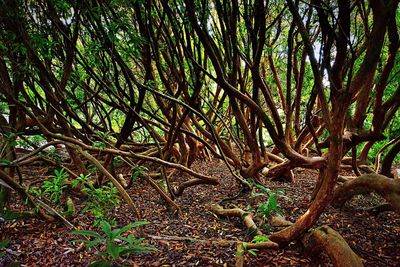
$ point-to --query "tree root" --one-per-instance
(321, 239)
(387, 188)
(328, 240)
(280, 221)
(281, 171)
(245, 216)
(192, 182)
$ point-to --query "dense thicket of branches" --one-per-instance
(265, 86)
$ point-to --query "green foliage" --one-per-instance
(260, 239)
(10, 139)
(53, 154)
(377, 147)
(136, 172)
(3, 245)
(270, 206)
(91, 168)
(52, 189)
(245, 250)
(82, 179)
(100, 200)
(99, 144)
(114, 242)
(104, 138)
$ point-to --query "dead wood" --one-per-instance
(325, 239)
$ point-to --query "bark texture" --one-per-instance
(328, 240)
(386, 187)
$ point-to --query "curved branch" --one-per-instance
(387, 188)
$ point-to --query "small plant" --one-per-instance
(82, 179)
(259, 239)
(252, 251)
(10, 139)
(266, 209)
(113, 243)
(136, 172)
(100, 200)
(244, 250)
(54, 188)
(99, 144)
(91, 168)
(53, 154)
(104, 136)
(3, 245)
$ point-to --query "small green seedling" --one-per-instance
(3, 245)
(114, 243)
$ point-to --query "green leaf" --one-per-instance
(259, 239)
(88, 242)
(87, 233)
(4, 243)
(113, 250)
(136, 224)
(257, 195)
(263, 188)
(106, 227)
(272, 202)
(253, 252)
(100, 263)
(122, 230)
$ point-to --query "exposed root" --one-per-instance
(239, 255)
(328, 240)
(245, 216)
(192, 182)
(387, 188)
(280, 221)
(364, 168)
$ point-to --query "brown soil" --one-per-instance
(34, 242)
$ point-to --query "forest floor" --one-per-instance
(34, 242)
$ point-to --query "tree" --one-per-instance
(171, 81)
